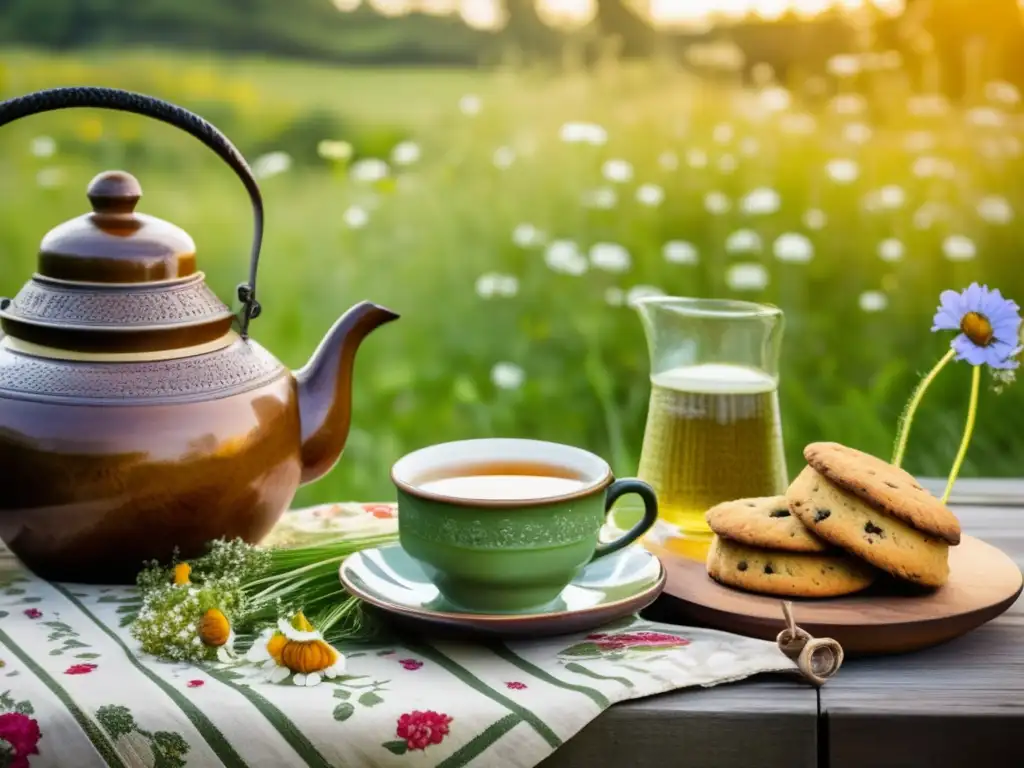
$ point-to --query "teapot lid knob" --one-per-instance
(114, 192)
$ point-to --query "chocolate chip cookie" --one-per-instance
(885, 487)
(791, 574)
(765, 522)
(869, 532)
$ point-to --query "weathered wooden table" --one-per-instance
(960, 704)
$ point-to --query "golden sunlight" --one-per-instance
(567, 13)
(482, 14)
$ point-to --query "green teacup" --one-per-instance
(503, 525)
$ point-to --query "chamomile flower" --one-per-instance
(295, 650)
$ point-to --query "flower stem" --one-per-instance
(907, 417)
(972, 412)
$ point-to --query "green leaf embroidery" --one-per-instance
(370, 699)
(59, 625)
(116, 720)
(15, 591)
(396, 747)
(4, 614)
(31, 599)
(56, 652)
(582, 649)
(24, 708)
(343, 711)
(87, 655)
(341, 693)
(68, 644)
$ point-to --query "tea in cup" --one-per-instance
(503, 525)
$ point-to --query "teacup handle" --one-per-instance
(621, 488)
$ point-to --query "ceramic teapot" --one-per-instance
(137, 416)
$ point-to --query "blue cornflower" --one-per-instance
(989, 326)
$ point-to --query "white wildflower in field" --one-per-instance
(271, 164)
(815, 218)
(890, 250)
(337, 151)
(564, 256)
(650, 195)
(775, 99)
(958, 248)
(406, 153)
(504, 157)
(507, 376)
(995, 209)
(743, 241)
(848, 104)
(717, 203)
(857, 133)
(668, 161)
(494, 284)
(527, 236)
(356, 217)
(762, 201)
(794, 248)
(798, 124)
(747, 277)
(749, 146)
(601, 198)
(873, 301)
(49, 178)
(727, 164)
(929, 166)
(843, 65)
(928, 214)
(680, 252)
(1002, 92)
(470, 104)
(928, 105)
(617, 170)
(610, 257)
(723, 133)
(842, 170)
(986, 117)
(43, 146)
(584, 133)
(638, 292)
(369, 170)
(696, 158)
(614, 297)
(916, 142)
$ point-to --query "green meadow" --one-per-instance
(510, 217)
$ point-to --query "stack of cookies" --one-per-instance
(847, 518)
(876, 511)
(760, 546)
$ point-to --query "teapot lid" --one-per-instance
(116, 282)
(114, 244)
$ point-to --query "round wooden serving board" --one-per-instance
(890, 617)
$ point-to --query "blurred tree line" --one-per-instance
(957, 31)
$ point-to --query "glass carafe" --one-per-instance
(713, 425)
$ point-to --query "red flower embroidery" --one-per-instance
(410, 664)
(381, 511)
(421, 729)
(196, 683)
(33, 613)
(23, 734)
(515, 685)
(80, 669)
(606, 642)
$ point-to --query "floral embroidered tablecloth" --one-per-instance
(76, 692)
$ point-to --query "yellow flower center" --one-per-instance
(214, 628)
(977, 328)
(181, 573)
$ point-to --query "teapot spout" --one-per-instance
(325, 388)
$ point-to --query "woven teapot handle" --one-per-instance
(140, 104)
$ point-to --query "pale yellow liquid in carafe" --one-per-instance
(713, 434)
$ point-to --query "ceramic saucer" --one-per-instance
(617, 585)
